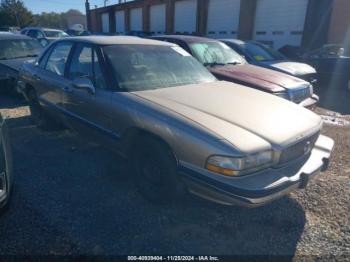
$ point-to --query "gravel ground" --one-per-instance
(71, 197)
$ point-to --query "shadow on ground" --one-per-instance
(72, 197)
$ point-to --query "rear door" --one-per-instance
(88, 112)
(49, 76)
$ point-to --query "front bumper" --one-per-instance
(262, 187)
(310, 102)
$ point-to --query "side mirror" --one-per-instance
(84, 83)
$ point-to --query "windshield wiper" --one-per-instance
(25, 56)
(214, 64)
(234, 63)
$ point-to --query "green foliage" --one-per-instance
(51, 20)
(14, 13)
(55, 20)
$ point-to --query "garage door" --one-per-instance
(120, 22)
(136, 19)
(185, 17)
(105, 22)
(280, 22)
(223, 18)
(157, 19)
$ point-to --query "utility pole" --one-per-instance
(88, 16)
(105, 2)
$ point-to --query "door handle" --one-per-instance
(67, 89)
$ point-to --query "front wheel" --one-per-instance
(156, 171)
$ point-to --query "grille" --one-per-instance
(299, 149)
(300, 95)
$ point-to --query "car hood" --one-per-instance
(293, 68)
(14, 64)
(243, 116)
(255, 76)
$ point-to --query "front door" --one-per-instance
(88, 112)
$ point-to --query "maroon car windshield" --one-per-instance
(215, 53)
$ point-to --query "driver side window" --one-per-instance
(85, 64)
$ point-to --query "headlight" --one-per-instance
(233, 166)
(283, 94)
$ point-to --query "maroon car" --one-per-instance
(228, 65)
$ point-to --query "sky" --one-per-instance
(38, 6)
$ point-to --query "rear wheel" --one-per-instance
(156, 171)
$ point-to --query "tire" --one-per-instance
(39, 116)
(6, 169)
(156, 176)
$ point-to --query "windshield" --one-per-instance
(56, 34)
(145, 67)
(212, 53)
(262, 53)
(19, 48)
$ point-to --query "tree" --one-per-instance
(14, 13)
(51, 20)
(56, 20)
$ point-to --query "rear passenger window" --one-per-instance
(58, 58)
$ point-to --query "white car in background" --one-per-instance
(44, 35)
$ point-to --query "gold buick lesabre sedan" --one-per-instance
(181, 128)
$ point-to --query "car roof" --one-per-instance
(115, 40)
(8, 36)
(187, 38)
(41, 28)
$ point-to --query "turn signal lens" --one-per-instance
(220, 170)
